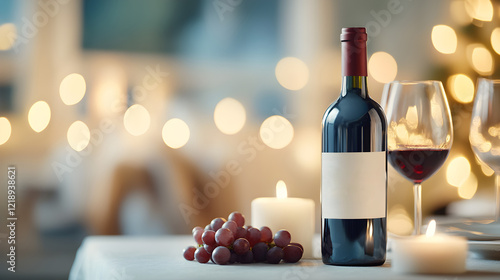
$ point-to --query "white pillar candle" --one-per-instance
(430, 254)
(296, 215)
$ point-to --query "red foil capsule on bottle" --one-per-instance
(353, 42)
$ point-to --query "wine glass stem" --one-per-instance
(497, 194)
(417, 208)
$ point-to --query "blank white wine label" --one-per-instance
(353, 185)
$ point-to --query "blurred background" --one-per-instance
(152, 117)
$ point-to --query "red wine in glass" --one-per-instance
(418, 164)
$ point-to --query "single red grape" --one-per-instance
(208, 237)
(201, 255)
(224, 237)
(241, 246)
(196, 229)
(266, 235)
(253, 236)
(221, 255)
(231, 225)
(274, 255)
(282, 238)
(189, 253)
(238, 218)
(259, 251)
(217, 223)
(197, 233)
(292, 253)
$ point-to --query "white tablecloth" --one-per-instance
(141, 258)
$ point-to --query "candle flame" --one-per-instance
(281, 192)
(431, 228)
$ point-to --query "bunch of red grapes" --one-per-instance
(227, 242)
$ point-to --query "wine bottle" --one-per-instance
(354, 166)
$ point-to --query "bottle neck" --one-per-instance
(354, 84)
(354, 70)
(354, 58)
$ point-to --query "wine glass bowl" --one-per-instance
(484, 133)
(419, 134)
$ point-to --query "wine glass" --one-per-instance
(419, 134)
(485, 129)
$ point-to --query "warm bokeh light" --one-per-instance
(437, 113)
(292, 73)
(402, 133)
(327, 66)
(276, 132)
(78, 136)
(476, 138)
(399, 221)
(482, 60)
(72, 89)
(5, 130)
(461, 88)
(494, 130)
(8, 36)
(412, 117)
(444, 39)
(495, 40)
(39, 116)
(480, 9)
(281, 191)
(108, 96)
(431, 228)
(383, 67)
(229, 116)
(175, 133)
(305, 146)
(458, 171)
(459, 13)
(468, 189)
(136, 120)
(486, 169)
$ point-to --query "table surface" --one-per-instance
(130, 258)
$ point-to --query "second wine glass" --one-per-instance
(419, 134)
(485, 129)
